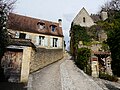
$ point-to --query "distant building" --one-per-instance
(85, 20)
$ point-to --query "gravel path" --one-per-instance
(63, 75)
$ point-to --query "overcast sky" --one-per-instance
(53, 10)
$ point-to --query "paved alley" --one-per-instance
(62, 75)
(47, 78)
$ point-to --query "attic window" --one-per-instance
(53, 28)
(84, 19)
(41, 25)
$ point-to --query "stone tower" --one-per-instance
(83, 19)
(104, 15)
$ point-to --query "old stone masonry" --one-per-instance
(63, 75)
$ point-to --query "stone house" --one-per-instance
(85, 20)
(34, 44)
(44, 34)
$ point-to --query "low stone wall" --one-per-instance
(43, 57)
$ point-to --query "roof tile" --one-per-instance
(29, 24)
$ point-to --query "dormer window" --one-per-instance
(84, 19)
(53, 28)
(41, 25)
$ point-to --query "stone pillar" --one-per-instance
(104, 15)
(108, 65)
(25, 64)
(95, 66)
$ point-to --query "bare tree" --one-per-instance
(112, 5)
(6, 6)
(9, 4)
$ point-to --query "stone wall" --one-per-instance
(11, 63)
(25, 64)
(43, 57)
(78, 20)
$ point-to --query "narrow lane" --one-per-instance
(73, 78)
(47, 78)
(62, 75)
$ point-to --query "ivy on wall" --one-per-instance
(82, 61)
(78, 33)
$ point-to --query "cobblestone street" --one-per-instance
(63, 75)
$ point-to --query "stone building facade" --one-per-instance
(42, 33)
(85, 20)
(35, 43)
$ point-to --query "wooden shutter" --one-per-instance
(27, 36)
(37, 40)
(46, 41)
(17, 35)
(43, 41)
(59, 43)
(51, 42)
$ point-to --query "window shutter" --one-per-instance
(51, 42)
(17, 35)
(27, 36)
(46, 41)
(58, 43)
(43, 42)
(37, 40)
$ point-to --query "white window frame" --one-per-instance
(27, 36)
(41, 40)
(17, 34)
(55, 42)
(53, 28)
(46, 41)
(41, 26)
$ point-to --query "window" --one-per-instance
(84, 19)
(108, 65)
(41, 40)
(55, 41)
(22, 35)
(53, 28)
(41, 25)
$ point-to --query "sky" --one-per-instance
(53, 10)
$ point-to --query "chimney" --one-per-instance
(60, 22)
(104, 15)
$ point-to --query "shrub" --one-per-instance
(106, 76)
(89, 70)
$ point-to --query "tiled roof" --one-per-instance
(22, 42)
(102, 53)
(28, 24)
(95, 17)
